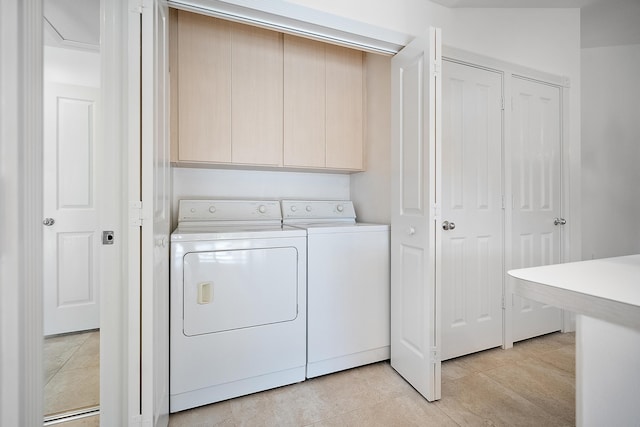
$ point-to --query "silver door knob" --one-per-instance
(446, 225)
(49, 222)
(559, 221)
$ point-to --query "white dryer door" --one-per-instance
(234, 289)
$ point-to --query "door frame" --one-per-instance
(570, 170)
(21, 82)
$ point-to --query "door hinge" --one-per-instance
(503, 205)
(135, 213)
(502, 104)
(504, 306)
(434, 355)
(135, 6)
(435, 212)
(436, 68)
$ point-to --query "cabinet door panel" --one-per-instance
(344, 81)
(304, 102)
(204, 85)
(173, 84)
(257, 101)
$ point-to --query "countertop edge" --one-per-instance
(601, 308)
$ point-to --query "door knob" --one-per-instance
(49, 222)
(559, 221)
(446, 225)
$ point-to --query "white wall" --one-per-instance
(71, 66)
(200, 183)
(404, 16)
(611, 151)
(371, 190)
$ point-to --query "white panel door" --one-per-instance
(155, 206)
(415, 153)
(536, 187)
(472, 213)
(71, 239)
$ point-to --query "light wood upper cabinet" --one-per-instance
(323, 100)
(204, 88)
(344, 115)
(256, 101)
(245, 95)
(228, 85)
(304, 102)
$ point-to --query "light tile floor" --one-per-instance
(532, 384)
(72, 372)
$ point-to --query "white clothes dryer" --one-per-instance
(348, 285)
(238, 301)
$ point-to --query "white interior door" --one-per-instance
(536, 188)
(472, 211)
(415, 310)
(156, 207)
(71, 236)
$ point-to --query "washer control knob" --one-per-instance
(308, 208)
(340, 208)
(262, 209)
(192, 210)
(294, 208)
(212, 209)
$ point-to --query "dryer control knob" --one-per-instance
(192, 210)
(262, 209)
(294, 208)
(212, 209)
(308, 208)
(340, 208)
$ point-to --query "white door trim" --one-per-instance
(21, 368)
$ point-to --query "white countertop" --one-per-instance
(608, 289)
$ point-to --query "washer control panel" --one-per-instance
(317, 209)
(229, 210)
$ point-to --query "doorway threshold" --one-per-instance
(78, 414)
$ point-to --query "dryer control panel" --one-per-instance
(229, 210)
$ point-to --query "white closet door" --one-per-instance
(415, 311)
(536, 186)
(72, 237)
(471, 262)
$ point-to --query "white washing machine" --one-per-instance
(348, 285)
(238, 301)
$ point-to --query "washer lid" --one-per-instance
(341, 227)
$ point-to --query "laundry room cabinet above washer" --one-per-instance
(246, 96)
(226, 92)
(323, 113)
